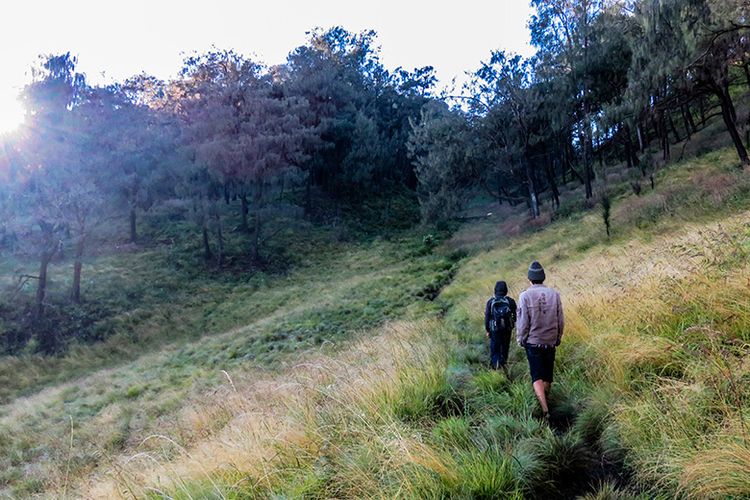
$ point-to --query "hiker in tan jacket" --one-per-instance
(539, 331)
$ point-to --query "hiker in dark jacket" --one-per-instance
(499, 318)
(540, 329)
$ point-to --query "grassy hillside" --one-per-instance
(347, 377)
(187, 337)
(649, 398)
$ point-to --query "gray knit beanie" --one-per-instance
(536, 272)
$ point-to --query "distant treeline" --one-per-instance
(332, 124)
(609, 78)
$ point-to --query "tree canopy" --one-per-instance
(238, 150)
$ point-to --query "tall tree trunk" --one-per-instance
(576, 174)
(726, 112)
(588, 145)
(207, 255)
(75, 293)
(41, 289)
(661, 131)
(308, 194)
(133, 235)
(533, 195)
(632, 158)
(587, 169)
(571, 157)
(628, 147)
(245, 210)
(256, 236)
(46, 337)
(553, 183)
(258, 222)
(564, 158)
(49, 249)
(670, 121)
(220, 241)
(686, 123)
(655, 124)
(689, 123)
(639, 132)
(729, 102)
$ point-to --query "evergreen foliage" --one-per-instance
(247, 155)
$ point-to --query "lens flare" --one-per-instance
(11, 113)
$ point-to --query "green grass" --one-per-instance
(651, 372)
(649, 398)
(651, 378)
(179, 338)
(371, 283)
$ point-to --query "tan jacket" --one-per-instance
(540, 316)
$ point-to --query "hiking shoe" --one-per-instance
(545, 418)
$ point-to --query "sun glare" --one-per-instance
(11, 113)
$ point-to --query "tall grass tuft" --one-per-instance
(718, 473)
(650, 381)
(564, 463)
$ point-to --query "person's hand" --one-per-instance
(487, 334)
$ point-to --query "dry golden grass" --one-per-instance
(170, 389)
(272, 416)
(659, 319)
(612, 306)
(721, 472)
(663, 322)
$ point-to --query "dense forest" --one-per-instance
(236, 149)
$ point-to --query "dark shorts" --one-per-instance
(541, 362)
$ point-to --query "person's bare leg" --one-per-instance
(547, 386)
(539, 390)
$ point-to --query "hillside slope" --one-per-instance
(165, 370)
(650, 390)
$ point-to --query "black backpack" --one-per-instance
(501, 317)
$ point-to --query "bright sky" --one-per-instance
(117, 39)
